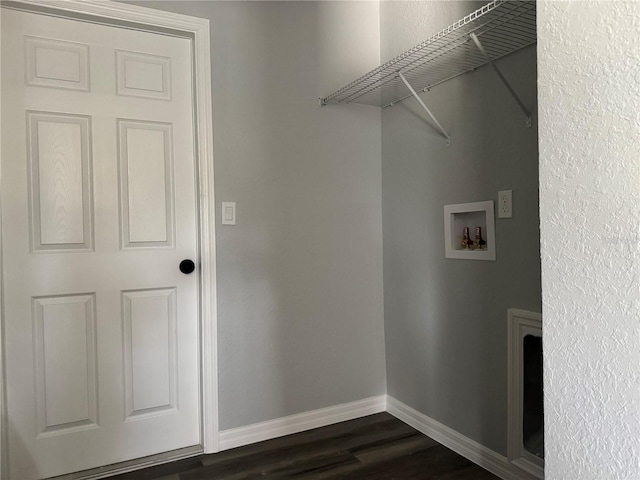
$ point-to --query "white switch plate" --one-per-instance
(228, 213)
(505, 204)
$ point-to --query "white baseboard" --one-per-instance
(258, 432)
(470, 449)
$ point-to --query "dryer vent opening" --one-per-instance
(533, 409)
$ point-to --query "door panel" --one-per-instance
(60, 181)
(143, 75)
(146, 183)
(66, 376)
(52, 63)
(150, 351)
(98, 210)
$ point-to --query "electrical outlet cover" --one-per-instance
(505, 204)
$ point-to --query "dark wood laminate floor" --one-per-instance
(377, 447)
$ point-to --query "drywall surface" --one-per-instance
(446, 319)
(589, 97)
(300, 312)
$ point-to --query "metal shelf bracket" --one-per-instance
(435, 120)
(501, 77)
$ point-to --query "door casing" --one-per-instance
(197, 30)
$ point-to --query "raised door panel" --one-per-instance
(60, 182)
(66, 364)
(146, 184)
(56, 63)
(143, 75)
(150, 352)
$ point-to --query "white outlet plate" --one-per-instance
(505, 204)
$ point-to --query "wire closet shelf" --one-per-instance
(502, 27)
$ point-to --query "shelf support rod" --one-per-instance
(526, 111)
(413, 92)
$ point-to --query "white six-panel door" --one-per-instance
(98, 210)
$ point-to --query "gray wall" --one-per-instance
(300, 311)
(300, 278)
(445, 319)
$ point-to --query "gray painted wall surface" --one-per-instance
(300, 309)
(300, 278)
(445, 319)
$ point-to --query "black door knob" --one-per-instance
(187, 266)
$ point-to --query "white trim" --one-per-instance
(198, 30)
(4, 463)
(258, 432)
(519, 324)
(470, 449)
(117, 11)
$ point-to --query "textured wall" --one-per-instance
(300, 313)
(445, 319)
(589, 100)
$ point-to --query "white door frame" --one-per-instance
(196, 29)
